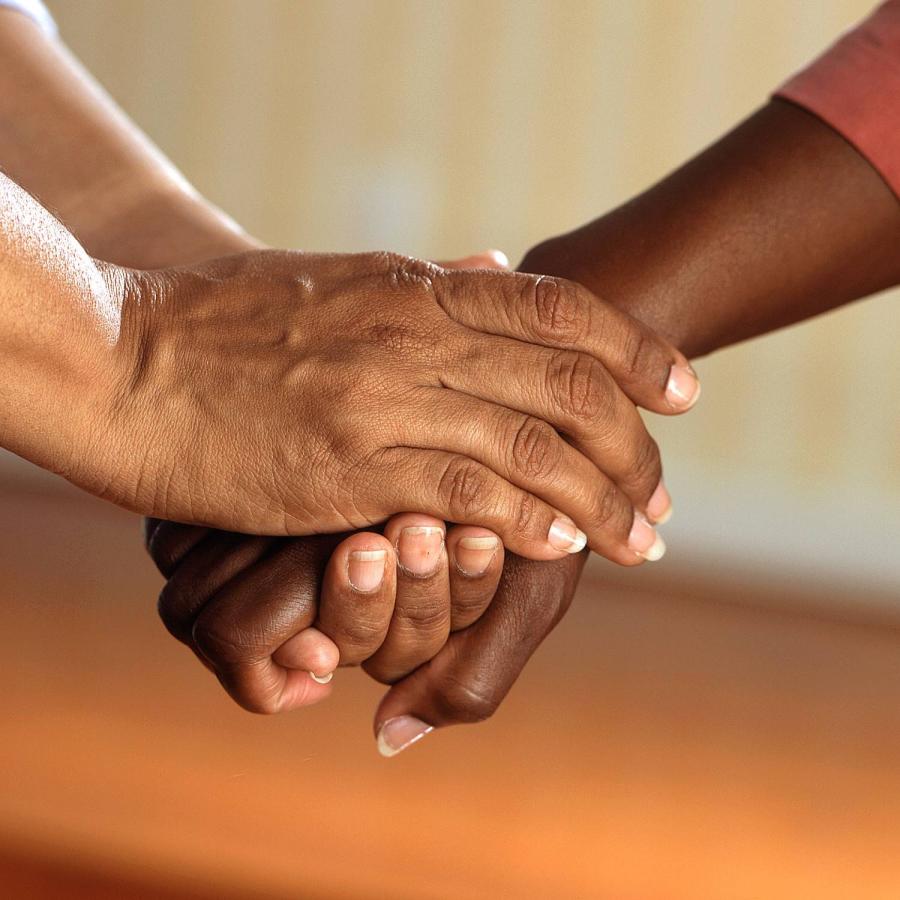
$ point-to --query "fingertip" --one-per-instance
(311, 651)
(360, 563)
(419, 543)
(487, 259)
(659, 506)
(399, 734)
(565, 536)
(474, 551)
(300, 691)
(682, 388)
(497, 257)
(363, 541)
(396, 524)
(552, 536)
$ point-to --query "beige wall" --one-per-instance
(442, 127)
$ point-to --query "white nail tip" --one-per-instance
(579, 542)
(478, 543)
(388, 750)
(665, 517)
(657, 551)
(686, 401)
(368, 555)
(321, 679)
(561, 537)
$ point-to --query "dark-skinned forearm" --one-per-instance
(778, 221)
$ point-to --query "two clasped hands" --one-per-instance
(296, 394)
(380, 461)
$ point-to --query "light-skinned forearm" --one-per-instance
(59, 324)
(65, 141)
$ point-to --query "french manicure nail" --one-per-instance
(682, 388)
(474, 554)
(365, 570)
(564, 535)
(401, 732)
(659, 509)
(321, 679)
(644, 540)
(419, 549)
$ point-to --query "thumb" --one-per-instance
(468, 679)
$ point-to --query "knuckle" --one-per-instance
(561, 311)
(638, 353)
(466, 703)
(386, 671)
(357, 634)
(168, 608)
(646, 466)
(408, 272)
(222, 641)
(578, 384)
(150, 527)
(179, 601)
(608, 513)
(536, 448)
(465, 489)
(169, 543)
(467, 608)
(383, 260)
(525, 514)
(424, 618)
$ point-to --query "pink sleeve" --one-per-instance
(855, 87)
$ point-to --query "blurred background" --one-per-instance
(723, 726)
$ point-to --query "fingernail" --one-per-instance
(419, 549)
(401, 732)
(321, 679)
(365, 570)
(659, 509)
(499, 257)
(683, 387)
(474, 554)
(564, 535)
(644, 540)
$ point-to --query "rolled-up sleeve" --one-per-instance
(855, 87)
(35, 10)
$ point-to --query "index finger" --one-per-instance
(559, 313)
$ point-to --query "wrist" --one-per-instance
(605, 258)
(59, 375)
(150, 224)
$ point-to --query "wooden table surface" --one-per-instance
(666, 743)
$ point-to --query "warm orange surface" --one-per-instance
(662, 746)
